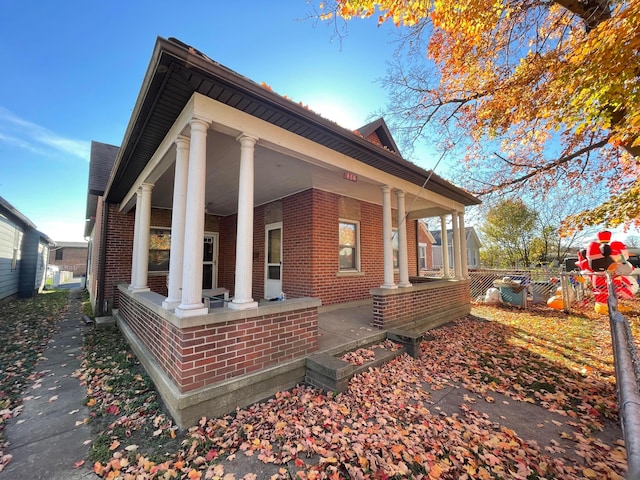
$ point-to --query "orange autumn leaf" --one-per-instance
(98, 468)
(435, 472)
(194, 475)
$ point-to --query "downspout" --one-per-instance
(102, 261)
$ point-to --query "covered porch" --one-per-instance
(210, 364)
(259, 196)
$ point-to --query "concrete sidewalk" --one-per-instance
(49, 436)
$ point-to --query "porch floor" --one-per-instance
(345, 328)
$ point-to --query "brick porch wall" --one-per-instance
(198, 356)
(442, 300)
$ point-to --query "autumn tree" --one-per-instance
(509, 232)
(539, 93)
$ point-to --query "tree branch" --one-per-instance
(549, 166)
(592, 12)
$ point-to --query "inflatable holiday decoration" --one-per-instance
(603, 256)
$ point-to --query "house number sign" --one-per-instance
(351, 176)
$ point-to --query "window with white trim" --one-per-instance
(349, 246)
(422, 256)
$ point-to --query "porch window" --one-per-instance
(395, 243)
(349, 245)
(422, 256)
(159, 247)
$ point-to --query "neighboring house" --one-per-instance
(224, 189)
(70, 257)
(472, 242)
(23, 254)
(102, 158)
(425, 249)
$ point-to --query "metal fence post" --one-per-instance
(625, 356)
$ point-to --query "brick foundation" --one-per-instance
(422, 306)
(220, 346)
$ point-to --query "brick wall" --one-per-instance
(423, 238)
(227, 253)
(310, 248)
(74, 259)
(258, 252)
(298, 245)
(119, 251)
(199, 356)
(412, 247)
(417, 304)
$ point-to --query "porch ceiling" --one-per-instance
(277, 175)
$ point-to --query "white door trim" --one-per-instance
(272, 288)
(214, 262)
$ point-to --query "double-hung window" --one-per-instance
(349, 246)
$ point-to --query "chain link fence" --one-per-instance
(521, 287)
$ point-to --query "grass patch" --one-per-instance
(125, 408)
(86, 305)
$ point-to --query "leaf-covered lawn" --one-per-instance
(26, 325)
(385, 425)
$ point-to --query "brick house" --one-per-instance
(425, 249)
(225, 194)
(70, 257)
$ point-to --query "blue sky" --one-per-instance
(72, 71)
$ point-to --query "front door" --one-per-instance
(273, 260)
(210, 261)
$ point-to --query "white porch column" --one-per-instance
(136, 240)
(444, 241)
(242, 298)
(177, 224)
(403, 261)
(191, 303)
(457, 255)
(463, 247)
(387, 232)
(143, 223)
